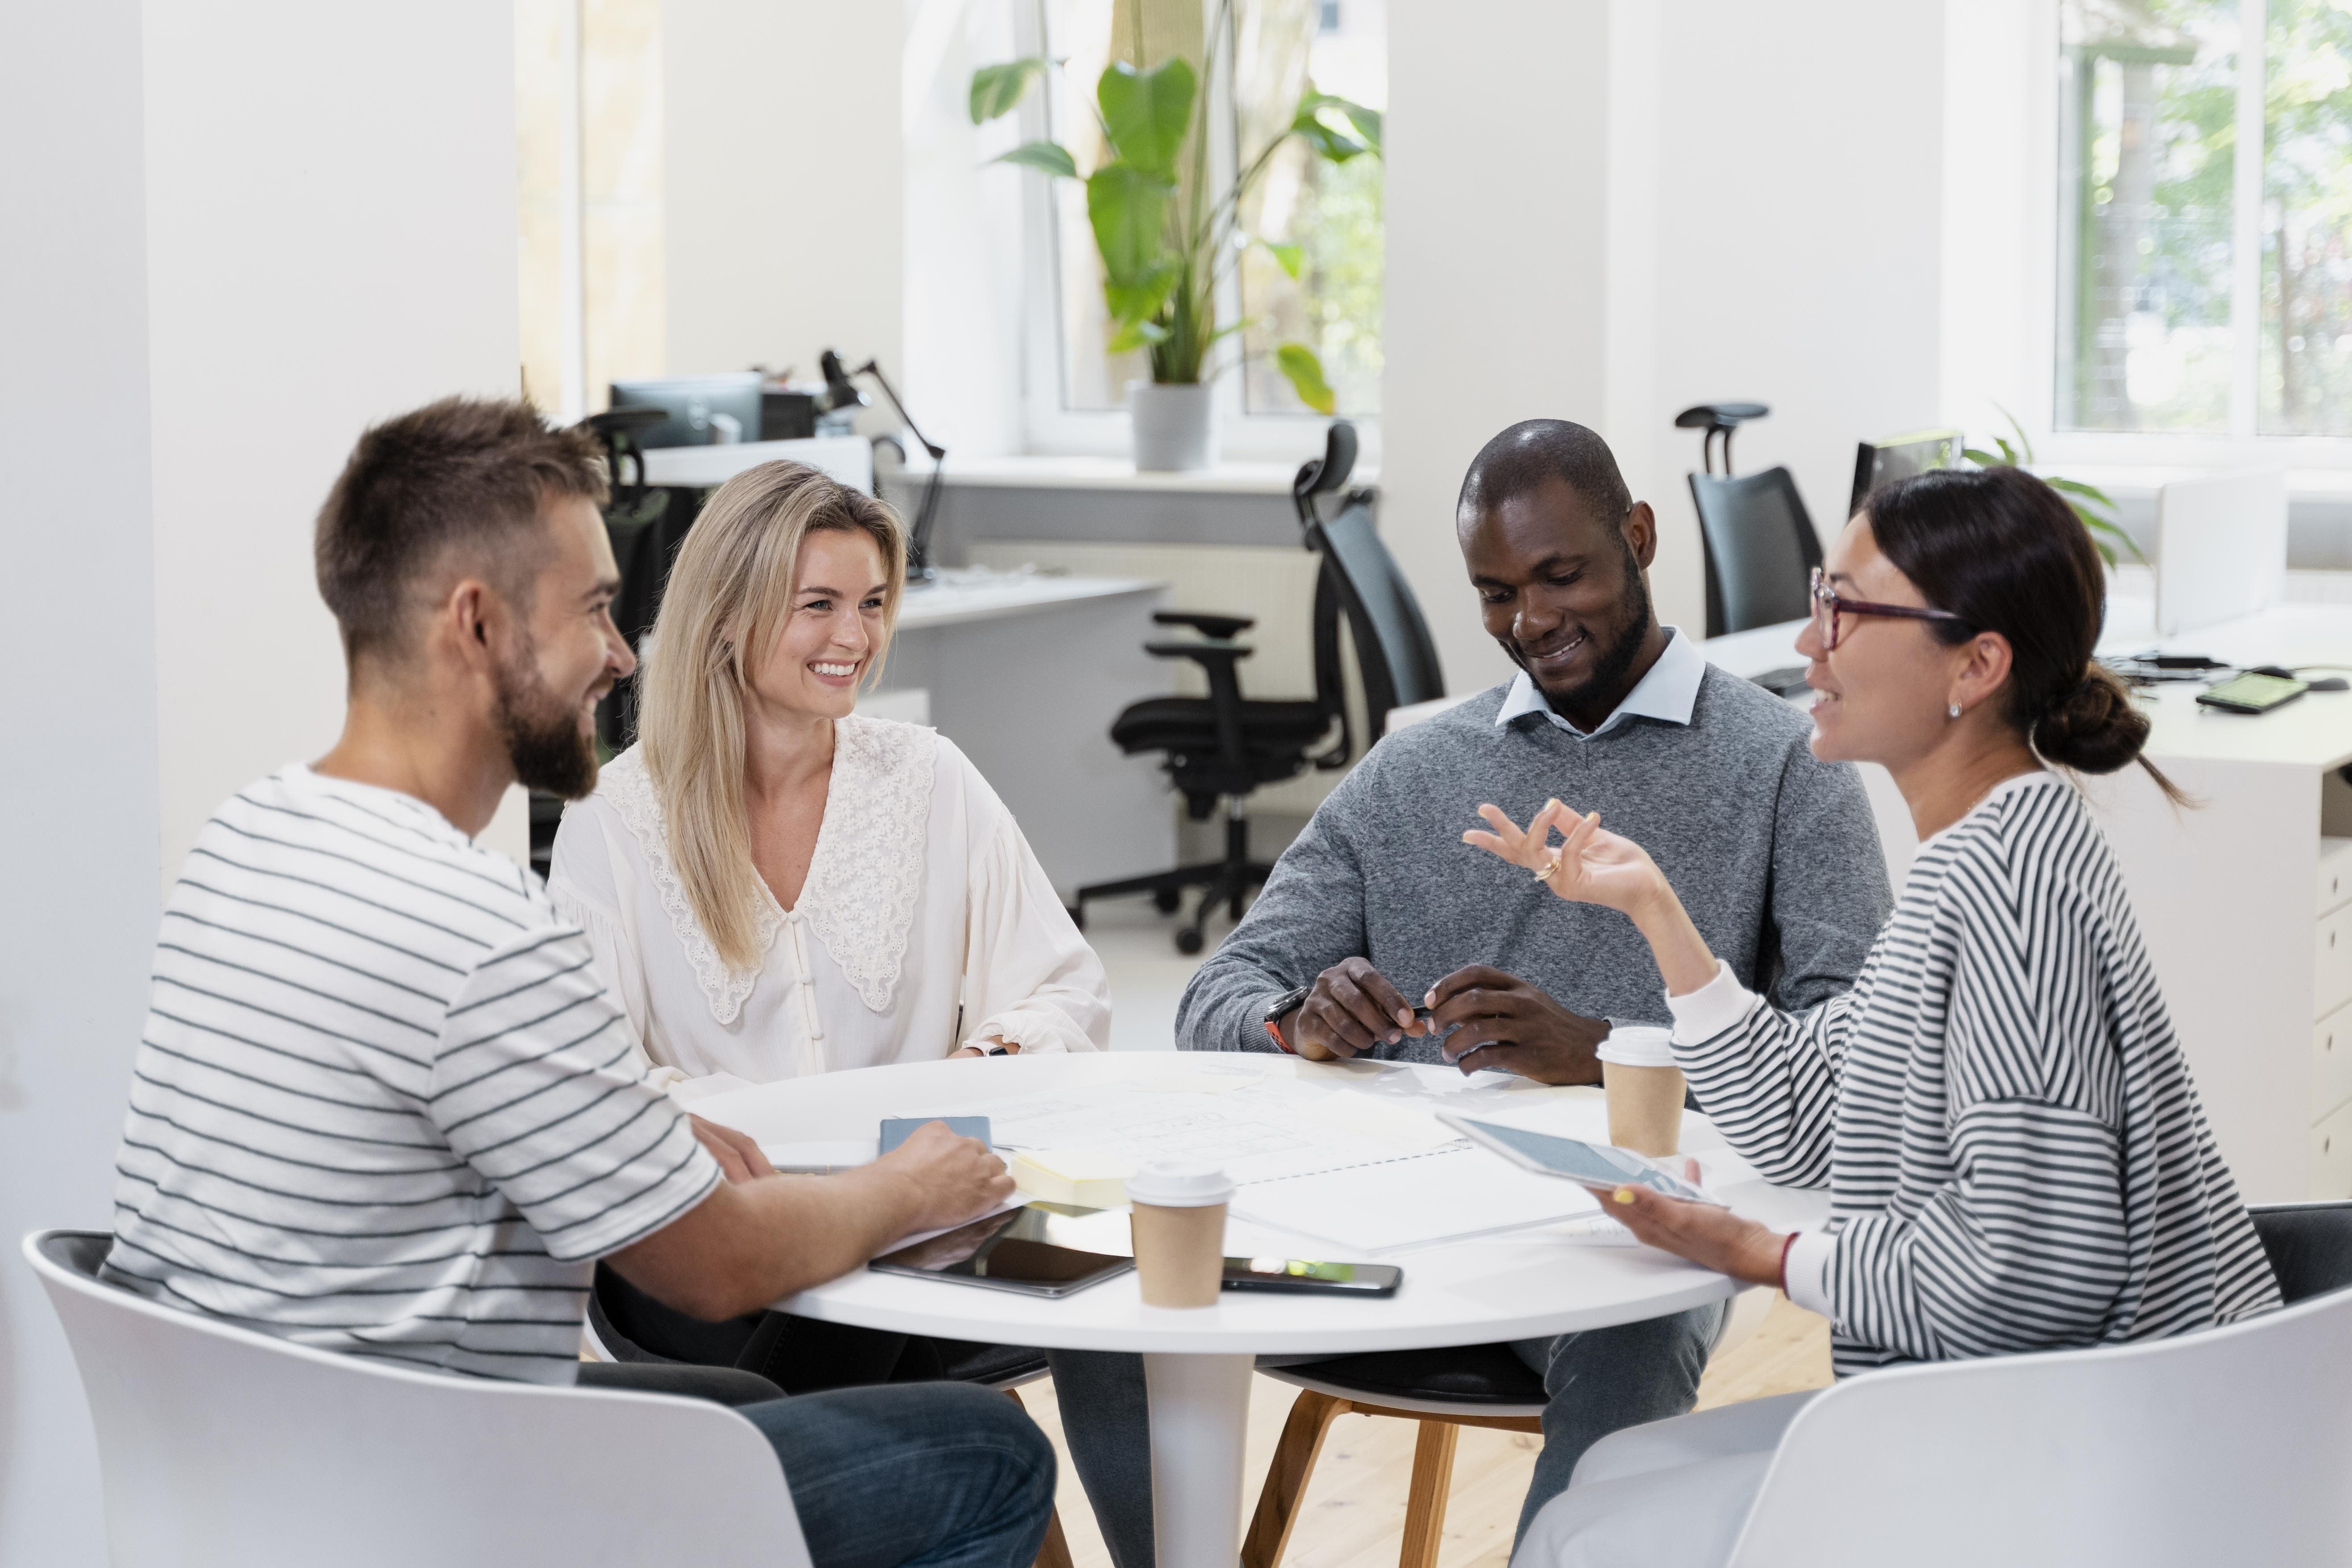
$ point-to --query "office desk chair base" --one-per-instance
(1229, 881)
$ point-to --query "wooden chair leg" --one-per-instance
(1424, 1505)
(1053, 1551)
(1311, 1415)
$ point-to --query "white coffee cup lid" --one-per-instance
(1638, 1045)
(1179, 1184)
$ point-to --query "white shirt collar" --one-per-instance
(1669, 691)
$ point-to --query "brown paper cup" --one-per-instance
(1645, 1107)
(1179, 1254)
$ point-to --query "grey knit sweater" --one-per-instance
(1773, 852)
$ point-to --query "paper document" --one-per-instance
(1447, 1195)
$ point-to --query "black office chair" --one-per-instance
(1757, 539)
(2309, 1245)
(1223, 747)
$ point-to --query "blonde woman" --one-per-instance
(776, 886)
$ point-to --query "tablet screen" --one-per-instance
(1023, 1250)
(1596, 1163)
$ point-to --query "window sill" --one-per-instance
(2140, 481)
(1033, 471)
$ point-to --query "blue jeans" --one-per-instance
(934, 1475)
(1599, 1381)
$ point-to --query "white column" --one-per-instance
(77, 810)
(782, 142)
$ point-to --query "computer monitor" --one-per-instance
(700, 408)
(1877, 463)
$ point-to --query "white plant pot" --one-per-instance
(1175, 426)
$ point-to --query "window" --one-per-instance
(2205, 217)
(1331, 212)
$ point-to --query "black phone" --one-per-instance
(1304, 1275)
(2252, 693)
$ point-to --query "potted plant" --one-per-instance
(1167, 242)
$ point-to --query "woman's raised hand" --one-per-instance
(1590, 865)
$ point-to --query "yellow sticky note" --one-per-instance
(1080, 1177)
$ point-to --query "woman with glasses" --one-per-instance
(2015, 1152)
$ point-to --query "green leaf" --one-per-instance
(1229, 328)
(1051, 157)
(1139, 298)
(2008, 452)
(1290, 256)
(999, 90)
(1145, 112)
(1983, 459)
(1126, 205)
(1137, 335)
(1328, 140)
(2076, 487)
(1298, 362)
(1366, 122)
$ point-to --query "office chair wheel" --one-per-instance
(1190, 942)
(1166, 900)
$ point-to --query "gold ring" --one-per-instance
(1550, 867)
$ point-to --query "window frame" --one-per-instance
(1051, 427)
(2240, 445)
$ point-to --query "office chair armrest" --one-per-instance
(1207, 624)
(1205, 652)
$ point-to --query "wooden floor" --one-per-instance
(1354, 1511)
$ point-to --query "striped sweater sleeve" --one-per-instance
(536, 1085)
(1767, 1078)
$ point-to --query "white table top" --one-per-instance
(1514, 1285)
(962, 593)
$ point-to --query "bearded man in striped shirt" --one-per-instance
(381, 1105)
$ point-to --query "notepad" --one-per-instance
(1081, 1178)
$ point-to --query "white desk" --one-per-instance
(1025, 674)
(1197, 1363)
(2227, 894)
(849, 459)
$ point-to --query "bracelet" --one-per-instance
(1272, 1029)
(1784, 1259)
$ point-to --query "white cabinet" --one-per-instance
(2331, 1156)
(2331, 1063)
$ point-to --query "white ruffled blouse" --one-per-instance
(900, 948)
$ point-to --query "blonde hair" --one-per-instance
(727, 600)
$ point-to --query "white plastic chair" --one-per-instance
(219, 1447)
(2225, 1446)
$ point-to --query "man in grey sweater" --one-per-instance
(1380, 905)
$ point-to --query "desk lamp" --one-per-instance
(841, 393)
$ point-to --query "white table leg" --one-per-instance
(1199, 1417)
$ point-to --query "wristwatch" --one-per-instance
(1282, 1003)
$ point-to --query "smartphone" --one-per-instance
(1017, 1251)
(1306, 1276)
(1594, 1164)
(897, 1129)
(2251, 693)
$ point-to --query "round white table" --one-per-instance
(1197, 1363)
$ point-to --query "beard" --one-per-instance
(543, 742)
(1619, 655)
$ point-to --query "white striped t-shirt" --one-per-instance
(383, 1104)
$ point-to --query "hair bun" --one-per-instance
(2092, 726)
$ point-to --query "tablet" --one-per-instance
(1025, 1250)
(1594, 1164)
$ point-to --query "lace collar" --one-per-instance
(863, 881)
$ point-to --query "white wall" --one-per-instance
(77, 803)
(247, 234)
(781, 148)
(332, 240)
(1640, 205)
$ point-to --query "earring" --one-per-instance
(1954, 710)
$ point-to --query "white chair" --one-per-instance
(219, 1447)
(2230, 1445)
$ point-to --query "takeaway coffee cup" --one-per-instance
(1179, 1226)
(1645, 1089)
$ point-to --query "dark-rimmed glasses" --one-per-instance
(1828, 606)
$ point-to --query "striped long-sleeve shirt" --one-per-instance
(381, 1103)
(2014, 1149)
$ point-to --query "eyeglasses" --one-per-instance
(1828, 606)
